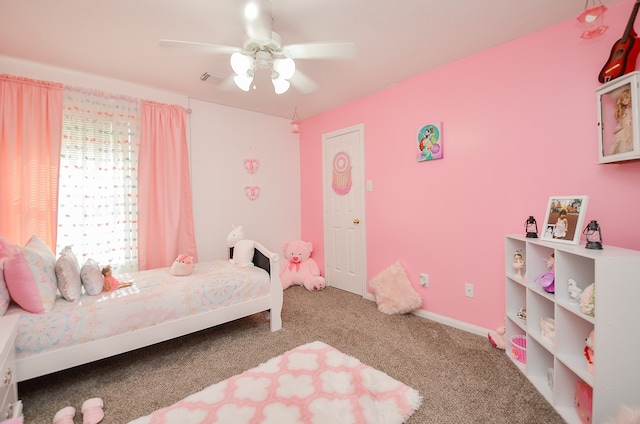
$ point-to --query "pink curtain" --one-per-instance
(30, 139)
(165, 212)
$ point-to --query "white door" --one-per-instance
(344, 218)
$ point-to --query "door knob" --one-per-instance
(356, 221)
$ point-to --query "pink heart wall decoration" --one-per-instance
(251, 165)
(252, 192)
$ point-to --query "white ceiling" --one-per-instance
(395, 40)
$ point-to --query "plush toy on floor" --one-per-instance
(626, 415)
(497, 337)
(299, 268)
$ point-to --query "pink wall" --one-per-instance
(519, 125)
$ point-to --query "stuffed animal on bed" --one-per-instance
(243, 249)
(111, 282)
(183, 265)
(299, 268)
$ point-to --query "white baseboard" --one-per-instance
(461, 325)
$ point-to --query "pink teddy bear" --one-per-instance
(299, 268)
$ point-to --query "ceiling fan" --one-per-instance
(263, 50)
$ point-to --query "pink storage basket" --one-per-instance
(519, 348)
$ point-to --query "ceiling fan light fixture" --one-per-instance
(280, 84)
(285, 67)
(240, 63)
(243, 81)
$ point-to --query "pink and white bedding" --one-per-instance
(158, 306)
(156, 296)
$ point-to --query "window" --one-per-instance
(97, 203)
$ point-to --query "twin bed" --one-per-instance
(157, 307)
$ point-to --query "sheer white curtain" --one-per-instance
(98, 199)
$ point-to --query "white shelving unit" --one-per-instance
(616, 274)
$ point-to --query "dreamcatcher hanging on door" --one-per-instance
(342, 181)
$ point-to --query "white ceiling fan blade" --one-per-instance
(258, 19)
(303, 83)
(322, 51)
(227, 84)
(211, 48)
(220, 81)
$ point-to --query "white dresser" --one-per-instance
(10, 406)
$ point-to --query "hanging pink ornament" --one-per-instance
(252, 192)
(251, 165)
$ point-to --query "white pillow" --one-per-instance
(91, 277)
(68, 275)
(243, 253)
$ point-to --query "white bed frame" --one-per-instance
(271, 304)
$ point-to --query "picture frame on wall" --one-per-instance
(564, 219)
(618, 138)
(430, 142)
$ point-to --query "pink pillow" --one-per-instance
(68, 275)
(5, 298)
(30, 275)
(393, 291)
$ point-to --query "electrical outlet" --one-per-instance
(468, 290)
(424, 280)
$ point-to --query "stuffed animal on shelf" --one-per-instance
(497, 337)
(299, 268)
(588, 351)
(574, 290)
(588, 300)
(110, 282)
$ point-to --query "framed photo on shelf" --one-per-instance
(564, 219)
(618, 137)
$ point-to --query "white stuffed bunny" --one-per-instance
(243, 249)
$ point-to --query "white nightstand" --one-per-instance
(10, 406)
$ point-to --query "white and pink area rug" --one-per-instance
(313, 383)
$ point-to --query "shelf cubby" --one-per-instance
(554, 368)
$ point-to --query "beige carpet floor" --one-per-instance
(462, 378)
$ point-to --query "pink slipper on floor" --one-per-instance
(92, 412)
(65, 415)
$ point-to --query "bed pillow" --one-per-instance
(5, 298)
(393, 291)
(68, 275)
(91, 277)
(243, 252)
(30, 275)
